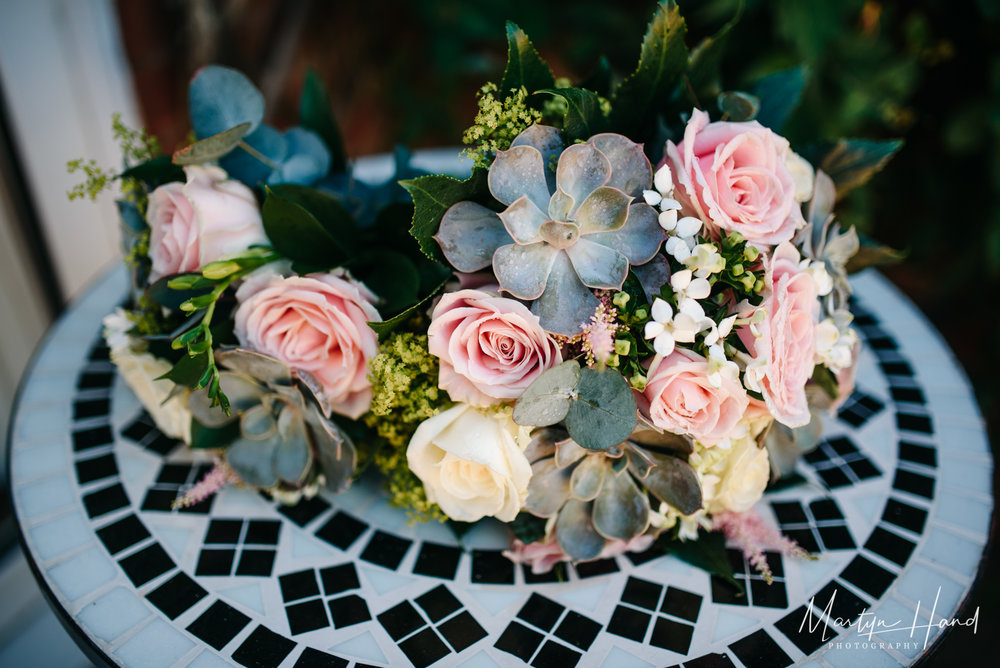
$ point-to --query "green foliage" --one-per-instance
(707, 553)
(308, 226)
(432, 196)
(779, 93)
(525, 68)
(96, 178)
(212, 148)
(528, 528)
(738, 106)
(585, 114)
(500, 119)
(852, 162)
(315, 114)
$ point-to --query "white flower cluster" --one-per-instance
(682, 233)
(835, 341)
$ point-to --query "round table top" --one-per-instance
(895, 503)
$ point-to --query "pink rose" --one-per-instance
(203, 220)
(682, 400)
(491, 348)
(735, 177)
(784, 352)
(316, 324)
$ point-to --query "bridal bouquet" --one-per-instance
(615, 331)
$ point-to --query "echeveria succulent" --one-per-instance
(598, 496)
(285, 441)
(572, 223)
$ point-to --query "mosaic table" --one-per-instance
(896, 503)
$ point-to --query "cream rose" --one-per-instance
(785, 350)
(140, 370)
(736, 177)
(682, 400)
(472, 463)
(491, 348)
(317, 324)
(742, 477)
(194, 223)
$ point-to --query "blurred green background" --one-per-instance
(927, 71)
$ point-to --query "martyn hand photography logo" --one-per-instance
(882, 633)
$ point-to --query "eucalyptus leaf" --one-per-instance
(603, 413)
(575, 531)
(738, 106)
(851, 162)
(316, 114)
(211, 148)
(584, 117)
(432, 196)
(524, 66)
(671, 480)
(253, 364)
(547, 400)
(663, 59)
(292, 458)
(621, 510)
(779, 94)
(220, 98)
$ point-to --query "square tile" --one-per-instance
(680, 603)
(123, 533)
(146, 564)
(263, 649)
(401, 620)
(306, 616)
(301, 584)
(629, 623)
(642, 593)
(341, 530)
(258, 563)
(519, 640)
(218, 625)
(348, 610)
(578, 630)
(759, 650)
(336, 579)
(556, 655)
(491, 567)
(437, 561)
(224, 531)
(385, 549)
(462, 631)
(177, 595)
(671, 635)
(424, 648)
(540, 612)
(215, 562)
(438, 603)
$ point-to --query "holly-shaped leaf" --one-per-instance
(524, 66)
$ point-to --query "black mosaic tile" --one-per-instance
(904, 515)
(909, 394)
(462, 631)
(90, 408)
(558, 573)
(424, 648)
(767, 595)
(805, 538)
(833, 477)
(896, 368)
(105, 500)
(519, 640)
(825, 509)
(438, 603)
(301, 584)
(146, 564)
(806, 630)
(385, 549)
(401, 620)
(680, 603)
(218, 625)
(94, 379)
(710, 661)
(99, 352)
(95, 437)
(491, 567)
(817, 455)
(727, 593)
(889, 545)
(257, 563)
(918, 454)
(864, 469)
(759, 650)
(882, 343)
(629, 623)
(836, 537)
(336, 579)
(89, 470)
(349, 610)
(177, 595)
(162, 444)
(868, 576)
(263, 532)
(224, 532)
(124, 533)
(305, 511)
(263, 648)
(556, 655)
(640, 558)
(774, 562)
(215, 562)
(306, 616)
(642, 593)
(437, 561)
(789, 512)
(174, 474)
(671, 635)
(589, 569)
(341, 530)
(844, 606)
(540, 612)
(842, 445)
(313, 658)
(914, 483)
(159, 499)
(912, 422)
(139, 428)
(578, 630)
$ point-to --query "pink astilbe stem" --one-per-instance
(599, 333)
(752, 535)
(220, 476)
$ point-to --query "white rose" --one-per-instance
(742, 477)
(802, 175)
(472, 463)
(140, 369)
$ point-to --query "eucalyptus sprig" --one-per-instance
(197, 369)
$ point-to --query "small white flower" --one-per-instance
(652, 197)
(705, 260)
(719, 367)
(668, 220)
(688, 227)
(720, 332)
(802, 175)
(668, 328)
(663, 180)
(835, 341)
(821, 277)
(679, 248)
(688, 287)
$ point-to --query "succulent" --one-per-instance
(571, 223)
(597, 496)
(284, 441)
(823, 240)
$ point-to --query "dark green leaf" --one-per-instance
(211, 148)
(583, 117)
(203, 437)
(524, 66)
(851, 162)
(873, 254)
(308, 226)
(779, 94)
(386, 327)
(391, 276)
(189, 371)
(704, 65)
(603, 413)
(662, 61)
(315, 114)
(823, 377)
(165, 296)
(599, 80)
(708, 553)
(432, 196)
(528, 528)
(155, 172)
(738, 106)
